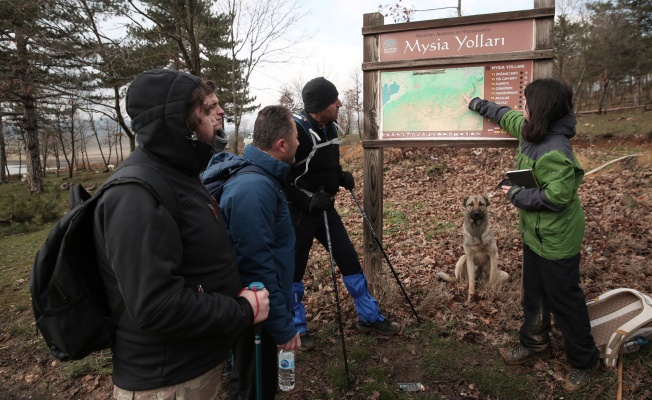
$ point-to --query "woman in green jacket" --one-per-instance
(552, 227)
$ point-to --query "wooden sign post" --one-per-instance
(414, 75)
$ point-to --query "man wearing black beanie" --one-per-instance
(313, 182)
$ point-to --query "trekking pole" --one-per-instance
(619, 390)
(337, 300)
(373, 232)
(255, 286)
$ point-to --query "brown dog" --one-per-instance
(480, 259)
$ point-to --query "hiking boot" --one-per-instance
(307, 341)
(521, 354)
(385, 327)
(578, 378)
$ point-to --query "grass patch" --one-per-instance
(625, 124)
(395, 219)
(21, 330)
(445, 355)
(376, 385)
(96, 363)
(492, 379)
(438, 228)
(336, 374)
(362, 351)
(435, 169)
(16, 258)
(437, 360)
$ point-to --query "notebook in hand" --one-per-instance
(523, 177)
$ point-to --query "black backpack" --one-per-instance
(68, 296)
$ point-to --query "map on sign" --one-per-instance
(430, 100)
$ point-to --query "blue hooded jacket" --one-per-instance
(258, 220)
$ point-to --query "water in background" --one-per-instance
(13, 169)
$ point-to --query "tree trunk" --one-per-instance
(3, 152)
(45, 151)
(99, 145)
(34, 179)
(603, 97)
(119, 147)
(57, 160)
(69, 161)
(118, 114)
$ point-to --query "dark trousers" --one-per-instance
(553, 286)
(243, 374)
(308, 226)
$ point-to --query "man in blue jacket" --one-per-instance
(254, 206)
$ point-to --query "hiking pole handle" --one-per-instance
(255, 286)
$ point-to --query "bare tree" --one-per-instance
(259, 34)
(348, 115)
(611, 56)
(46, 142)
(358, 106)
(12, 137)
(403, 12)
(109, 137)
(68, 132)
(118, 59)
(287, 98)
(3, 151)
(297, 87)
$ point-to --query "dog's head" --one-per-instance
(475, 207)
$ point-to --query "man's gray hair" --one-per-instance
(272, 123)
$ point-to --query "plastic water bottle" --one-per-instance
(634, 344)
(286, 370)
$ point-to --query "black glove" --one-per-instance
(474, 104)
(346, 180)
(320, 201)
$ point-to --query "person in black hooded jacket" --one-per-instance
(178, 280)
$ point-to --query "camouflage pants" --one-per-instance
(204, 387)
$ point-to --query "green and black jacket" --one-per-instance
(551, 216)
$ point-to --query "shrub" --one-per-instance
(39, 209)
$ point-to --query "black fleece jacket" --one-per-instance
(178, 280)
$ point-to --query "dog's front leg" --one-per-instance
(493, 270)
(470, 271)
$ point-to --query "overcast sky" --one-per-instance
(335, 50)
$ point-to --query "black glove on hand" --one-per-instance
(474, 104)
(346, 180)
(320, 201)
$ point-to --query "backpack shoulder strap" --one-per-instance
(307, 128)
(151, 179)
(78, 195)
(635, 307)
(148, 177)
(255, 169)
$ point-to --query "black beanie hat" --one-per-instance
(318, 94)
